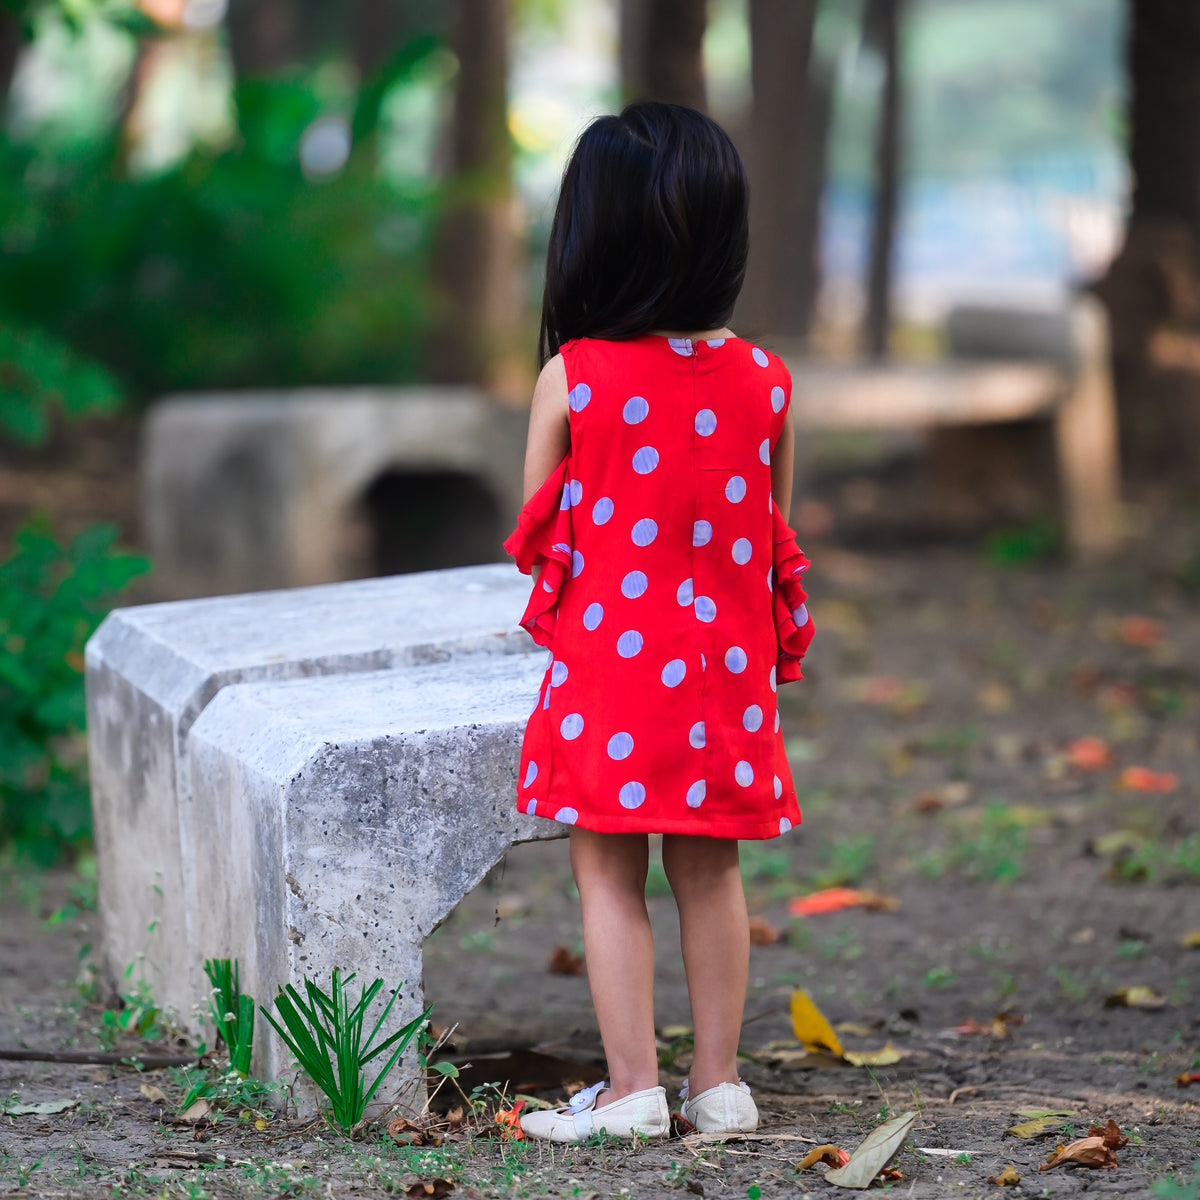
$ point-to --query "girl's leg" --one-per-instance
(610, 872)
(715, 933)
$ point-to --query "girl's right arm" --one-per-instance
(549, 430)
(782, 460)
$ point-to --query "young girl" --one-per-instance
(658, 478)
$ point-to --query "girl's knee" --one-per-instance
(690, 861)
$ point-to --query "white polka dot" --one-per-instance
(800, 615)
(532, 809)
(764, 452)
(777, 720)
(562, 546)
(683, 593)
(673, 672)
(629, 643)
(735, 489)
(680, 345)
(770, 579)
(716, 343)
(546, 586)
(701, 533)
(634, 584)
(703, 664)
(576, 563)
(572, 726)
(777, 398)
(744, 773)
(645, 460)
(530, 773)
(784, 824)
(602, 510)
(593, 615)
(706, 610)
(695, 794)
(568, 816)
(632, 795)
(635, 410)
(578, 396)
(576, 491)
(565, 502)
(778, 787)
(696, 735)
(620, 745)
(759, 356)
(735, 659)
(644, 531)
(752, 719)
(772, 678)
(546, 702)
(706, 422)
(741, 551)
(558, 674)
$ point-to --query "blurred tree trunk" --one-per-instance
(475, 261)
(785, 161)
(881, 29)
(377, 27)
(662, 51)
(1152, 288)
(11, 41)
(264, 36)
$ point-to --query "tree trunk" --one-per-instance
(264, 36)
(785, 161)
(1153, 286)
(881, 27)
(378, 27)
(662, 51)
(475, 263)
(12, 40)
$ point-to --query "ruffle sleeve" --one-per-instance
(542, 538)
(793, 625)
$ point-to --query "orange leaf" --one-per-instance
(1007, 1178)
(1142, 779)
(509, 1120)
(1187, 1078)
(1086, 1152)
(434, 1189)
(762, 932)
(1089, 754)
(1140, 631)
(1110, 1132)
(563, 962)
(830, 1154)
(835, 898)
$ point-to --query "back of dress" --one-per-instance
(670, 595)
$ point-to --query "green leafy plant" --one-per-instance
(137, 1017)
(52, 597)
(232, 1012)
(325, 1033)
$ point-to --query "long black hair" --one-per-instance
(650, 230)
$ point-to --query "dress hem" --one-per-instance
(626, 823)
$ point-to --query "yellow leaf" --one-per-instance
(260, 1124)
(1138, 996)
(812, 1030)
(874, 1058)
(1038, 1127)
(855, 1027)
(1191, 941)
(1007, 1178)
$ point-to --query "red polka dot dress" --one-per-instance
(670, 595)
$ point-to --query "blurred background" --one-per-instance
(271, 275)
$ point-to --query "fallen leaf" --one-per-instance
(154, 1094)
(997, 1027)
(1138, 996)
(405, 1132)
(1120, 841)
(763, 933)
(949, 795)
(1046, 1112)
(1187, 1079)
(1090, 754)
(434, 1189)
(1085, 1152)
(995, 697)
(1143, 779)
(197, 1111)
(1110, 1131)
(509, 1120)
(809, 1024)
(835, 898)
(831, 1155)
(1007, 1178)
(563, 962)
(1039, 1126)
(1140, 631)
(858, 1029)
(1191, 941)
(873, 1058)
(39, 1108)
(873, 1153)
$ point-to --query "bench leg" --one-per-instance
(1085, 434)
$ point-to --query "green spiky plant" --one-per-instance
(325, 1033)
(232, 1012)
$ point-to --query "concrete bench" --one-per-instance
(153, 671)
(1003, 366)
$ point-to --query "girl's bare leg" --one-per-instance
(610, 872)
(715, 934)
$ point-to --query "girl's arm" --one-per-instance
(782, 460)
(549, 431)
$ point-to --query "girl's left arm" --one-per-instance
(549, 431)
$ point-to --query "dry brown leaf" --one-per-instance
(1138, 996)
(1140, 631)
(831, 1155)
(154, 1094)
(405, 1132)
(1007, 1178)
(433, 1189)
(763, 933)
(563, 962)
(1110, 1131)
(1085, 1152)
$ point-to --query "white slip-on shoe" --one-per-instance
(726, 1108)
(643, 1112)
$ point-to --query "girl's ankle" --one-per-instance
(626, 1088)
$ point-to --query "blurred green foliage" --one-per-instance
(52, 596)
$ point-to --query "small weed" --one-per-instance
(1178, 1189)
(232, 1012)
(849, 859)
(963, 1159)
(1130, 948)
(1073, 989)
(841, 947)
(938, 977)
(476, 941)
(765, 862)
(992, 852)
(138, 1015)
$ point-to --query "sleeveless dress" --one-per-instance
(670, 595)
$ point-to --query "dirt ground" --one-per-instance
(935, 748)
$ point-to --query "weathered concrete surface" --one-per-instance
(152, 669)
(340, 820)
(262, 490)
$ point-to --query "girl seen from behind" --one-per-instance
(667, 586)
